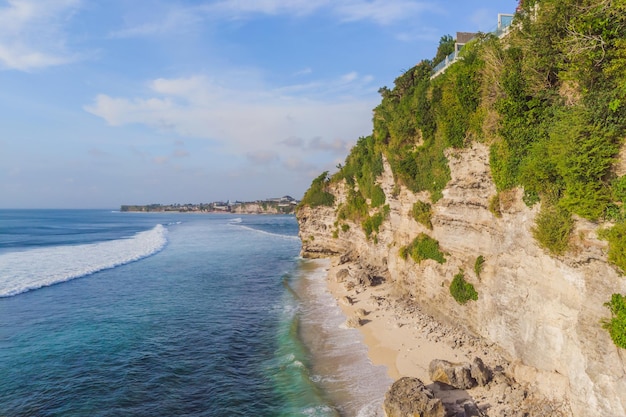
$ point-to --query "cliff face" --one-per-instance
(544, 312)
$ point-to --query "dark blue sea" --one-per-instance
(105, 313)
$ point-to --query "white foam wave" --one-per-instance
(371, 410)
(287, 237)
(235, 220)
(36, 268)
(319, 411)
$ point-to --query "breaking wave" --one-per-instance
(36, 268)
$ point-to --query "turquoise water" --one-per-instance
(139, 314)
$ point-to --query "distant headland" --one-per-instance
(282, 205)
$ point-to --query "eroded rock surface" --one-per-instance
(457, 375)
(543, 312)
(409, 397)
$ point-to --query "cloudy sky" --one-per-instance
(109, 102)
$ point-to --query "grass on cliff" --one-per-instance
(616, 237)
(616, 326)
(549, 100)
(317, 194)
(553, 229)
(422, 213)
(461, 290)
(479, 265)
(423, 247)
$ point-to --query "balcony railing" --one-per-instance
(504, 24)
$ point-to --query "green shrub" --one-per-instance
(618, 188)
(317, 194)
(423, 247)
(461, 290)
(378, 196)
(479, 264)
(530, 198)
(355, 207)
(616, 236)
(372, 224)
(494, 206)
(553, 228)
(422, 213)
(345, 227)
(617, 324)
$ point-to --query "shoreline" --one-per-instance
(339, 363)
(399, 336)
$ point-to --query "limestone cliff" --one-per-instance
(543, 311)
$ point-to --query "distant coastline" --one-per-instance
(282, 205)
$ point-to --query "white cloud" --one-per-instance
(175, 19)
(240, 8)
(303, 71)
(381, 12)
(245, 122)
(336, 145)
(180, 153)
(262, 157)
(32, 35)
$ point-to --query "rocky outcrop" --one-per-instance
(479, 372)
(543, 312)
(457, 375)
(408, 397)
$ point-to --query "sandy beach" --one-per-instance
(405, 340)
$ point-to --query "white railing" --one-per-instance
(504, 24)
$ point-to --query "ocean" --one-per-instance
(105, 313)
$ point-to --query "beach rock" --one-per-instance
(354, 322)
(408, 397)
(345, 300)
(457, 375)
(360, 312)
(470, 409)
(480, 372)
(345, 258)
(342, 274)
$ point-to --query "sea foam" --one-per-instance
(36, 268)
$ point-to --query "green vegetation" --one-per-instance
(617, 244)
(423, 247)
(372, 224)
(549, 100)
(461, 290)
(560, 94)
(617, 324)
(494, 206)
(479, 264)
(422, 213)
(317, 194)
(553, 229)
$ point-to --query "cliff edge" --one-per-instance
(494, 195)
(543, 312)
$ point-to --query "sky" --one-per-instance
(111, 102)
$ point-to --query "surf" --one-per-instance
(36, 268)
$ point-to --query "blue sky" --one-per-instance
(186, 101)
